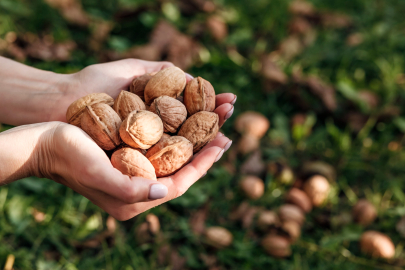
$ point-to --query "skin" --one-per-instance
(43, 145)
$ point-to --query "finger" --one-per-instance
(225, 98)
(189, 77)
(154, 66)
(224, 112)
(220, 141)
(109, 180)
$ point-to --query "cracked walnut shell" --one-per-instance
(131, 162)
(200, 129)
(169, 82)
(141, 129)
(102, 123)
(172, 112)
(77, 108)
(127, 102)
(199, 95)
(170, 154)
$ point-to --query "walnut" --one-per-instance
(218, 237)
(300, 199)
(170, 154)
(317, 189)
(291, 212)
(102, 124)
(200, 129)
(141, 129)
(252, 123)
(169, 82)
(247, 144)
(377, 245)
(267, 220)
(276, 246)
(364, 212)
(127, 102)
(76, 109)
(132, 163)
(172, 112)
(138, 85)
(199, 95)
(252, 186)
(292, 229)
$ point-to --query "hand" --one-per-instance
(69, 156)
(109, 78)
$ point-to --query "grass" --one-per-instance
(368, 162)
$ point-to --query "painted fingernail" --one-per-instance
(204, 175)
(234, 100)
(219, 155)
(229, 114)
(157, 191)
(227, 146)
(189, 76)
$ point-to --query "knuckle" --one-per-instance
(130, 194)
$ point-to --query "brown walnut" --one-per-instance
(377, 245)
(252, 123)
(131, 162)
(200, 129)
(300, 199)
(218, 237)
(77, 108)
(252, 186)
(199, 95)
(127, 102)
(169, 82)
(267, 220)
(277, 246)
(317, 189)
(172, 112)
(102, 124)
(138, 85)
(291, 212)
(170, 154)
(141, 129)
(364, 212)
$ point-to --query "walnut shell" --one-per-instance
(267, 220)
(218, 237)
(200, 129)
(172, 112)
(252, 186)
(253, 123)
(141, 129)
(247, 144)
(300, 199)
(317, 189)
(127, 102)
(102, 124)
(132, 163)
(76, 109)
(138, 85)
(170, 154)
(292, 229)
(153, 223)
(291, 212)
(364, 212)
(277, 246)
(169, 82)
(377, 245)
(199, 95)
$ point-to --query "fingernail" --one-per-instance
(227, 146)
(229, 114)
(157, 191)
(220, 134)
(204, 175)
(234, 100)
(189, 76)
(219, 155)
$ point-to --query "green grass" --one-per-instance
(364, 169)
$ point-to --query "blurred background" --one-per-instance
(325, 80)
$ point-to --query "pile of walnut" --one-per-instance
(152, 132)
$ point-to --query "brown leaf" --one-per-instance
(71, 10)
(300, 25)
(162, 35)
(325, 92)
(272, 72)
(193, 6)
(303, 8)
(217, 27)
(291, 47)
(182, 51)
(197, 220)
(100, 32)
(147, 52)
(335, 20)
